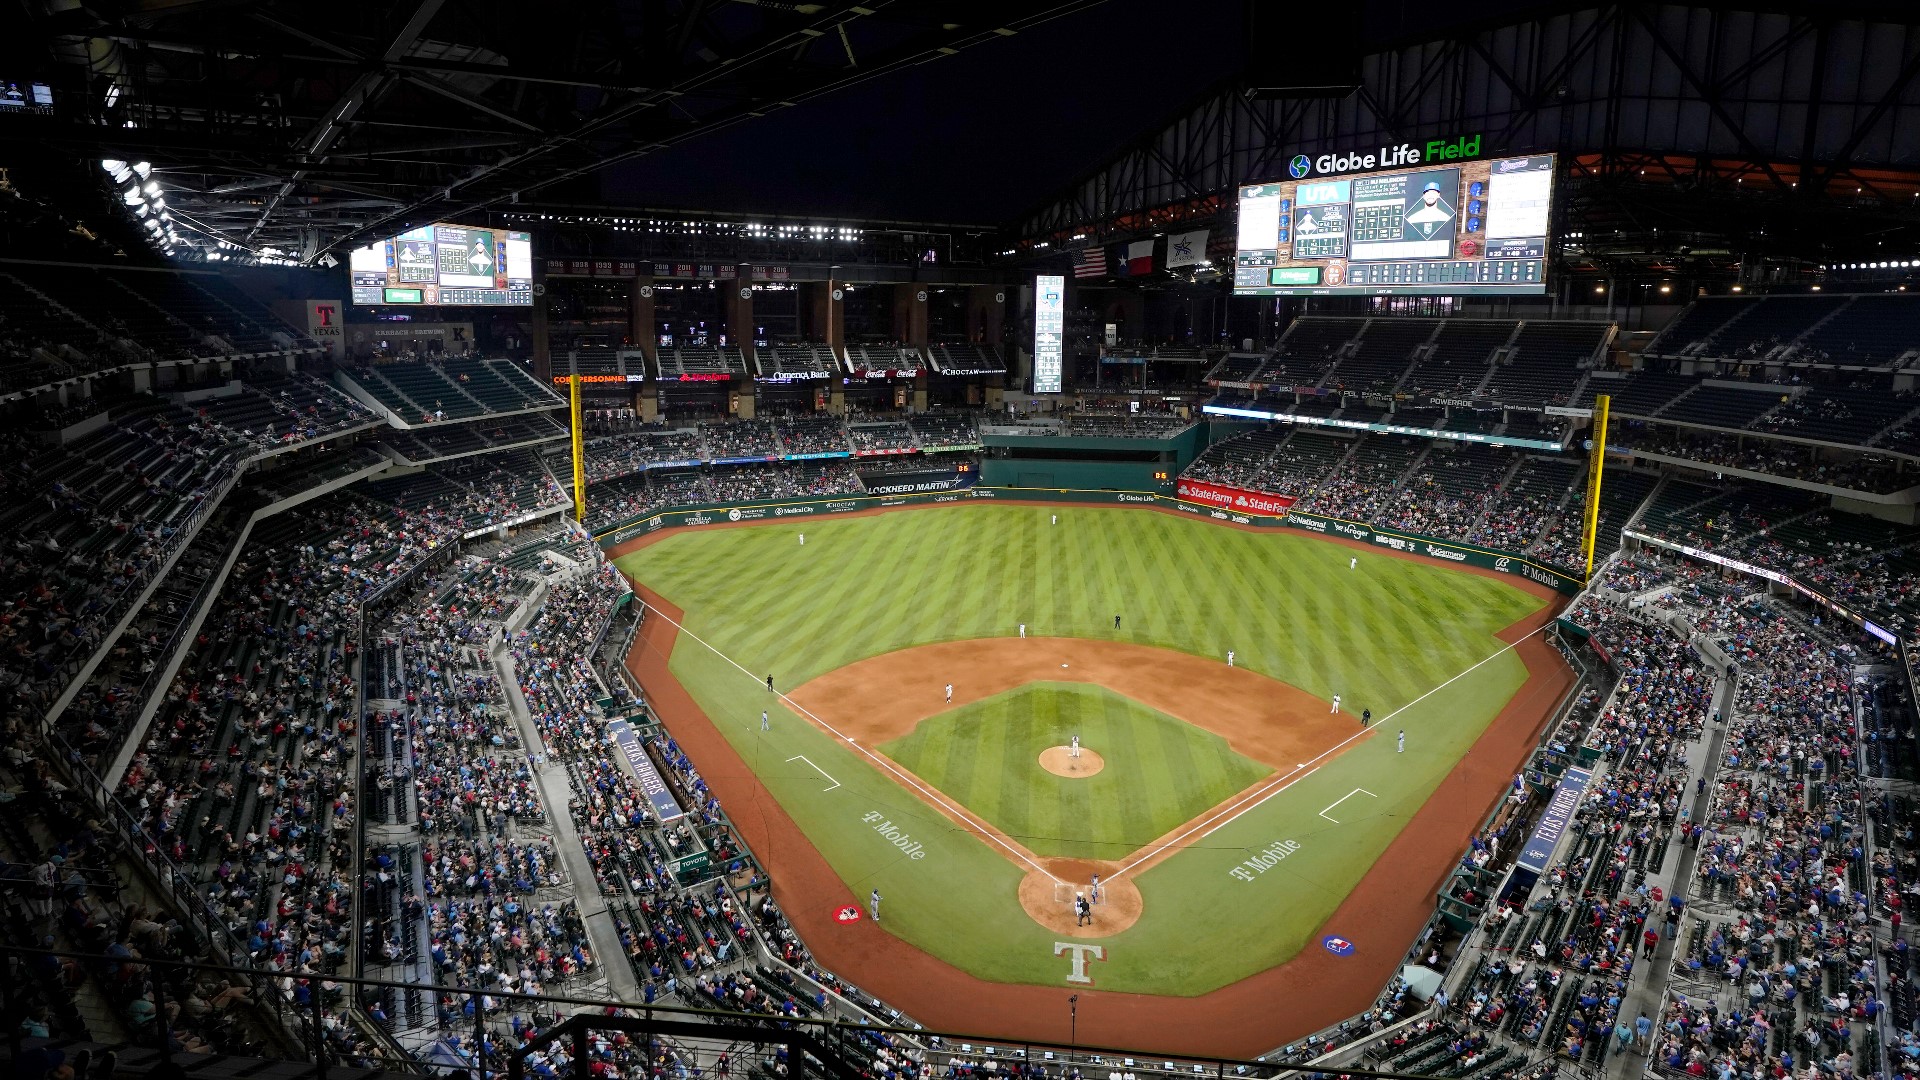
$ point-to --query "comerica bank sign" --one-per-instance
(1459, 148)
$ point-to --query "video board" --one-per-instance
(1049, 332)
(1444, 227)
(448, 265)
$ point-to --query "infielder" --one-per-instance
(1023, 631)
(1229, 657)
(1336, 703)
(1403, 742)
(873, 905)
(949, 693)
(1073, 747)
(763, 721)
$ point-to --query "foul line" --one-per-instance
(821, 771)
(1214, 822)
(929, 794)
(1329, 806)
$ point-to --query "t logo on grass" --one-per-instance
(1080, 954)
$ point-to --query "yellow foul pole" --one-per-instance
(579, 451)
(1595, 466)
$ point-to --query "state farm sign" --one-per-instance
(1233, 498)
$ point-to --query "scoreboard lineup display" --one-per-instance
(454, 265)
(1476, 227)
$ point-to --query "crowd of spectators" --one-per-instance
(1862, 472)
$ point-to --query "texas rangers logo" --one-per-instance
(1336, 945)
(849, 913)
(1299, 167)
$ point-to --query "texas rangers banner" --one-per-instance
(1233, 498)
(652, 785)
(1554, 819)
(1186, 248)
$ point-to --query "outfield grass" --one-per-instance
(1159, 771)
(1383, 636)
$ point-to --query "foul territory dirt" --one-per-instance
(1312, 991)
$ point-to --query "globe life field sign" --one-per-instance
(1434, 218)
(1459, 148)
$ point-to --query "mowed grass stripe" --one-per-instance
(1286, 603)
(1160, 771)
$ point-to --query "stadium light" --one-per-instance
(152, 188)
(144, 168)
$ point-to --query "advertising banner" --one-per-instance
(1553, 820)
(1233, 498)
(620, 733)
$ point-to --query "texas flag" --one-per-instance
(1136, 259)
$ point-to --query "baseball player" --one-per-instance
(1402, 748)
(1353, 562)
(1116, 622)
(1056, 519)
(1023, 631)
(873, 905)
(1073, 747)
(1336, 703)
(1083, 911)
(1229, 657)
(763, 721)
(949, 693)
(1093, 891)
(803, 539)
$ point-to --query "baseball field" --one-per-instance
(1230, 813)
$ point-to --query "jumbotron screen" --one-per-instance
(449, 265)
(1442, 227)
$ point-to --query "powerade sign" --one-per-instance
(1554, 819)
(1459, 148)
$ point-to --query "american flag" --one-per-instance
(1090, 262)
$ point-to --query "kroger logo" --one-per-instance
(1299, 167)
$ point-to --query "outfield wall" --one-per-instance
(1505, 562)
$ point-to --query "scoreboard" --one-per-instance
(449, 265)
(1471, 227)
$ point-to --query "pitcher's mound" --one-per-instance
(1047, 898)
(1059, 761)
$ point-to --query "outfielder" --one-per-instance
(1023, 631)
(1336, 703)
(1402, 748)
(1353, 562)
(873, 905)
(949, 693)
(803, 539)
(1229, 657)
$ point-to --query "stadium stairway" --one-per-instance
(557, 792)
